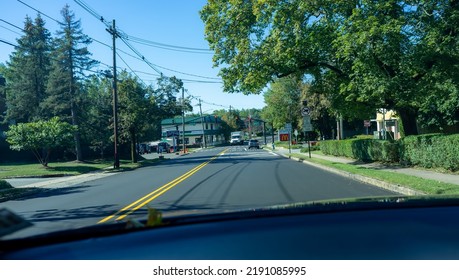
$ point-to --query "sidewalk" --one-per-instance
(422, 173)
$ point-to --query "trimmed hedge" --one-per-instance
(428, 150)
(431, 151)
(313, 148)
(362, 149)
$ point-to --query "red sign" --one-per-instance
(283, 137)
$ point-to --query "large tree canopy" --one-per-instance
(391, 54)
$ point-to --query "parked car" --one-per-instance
(253, 144)
(163, 147)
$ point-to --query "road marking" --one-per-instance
(156, 193)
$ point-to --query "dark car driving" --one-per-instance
(253, 144)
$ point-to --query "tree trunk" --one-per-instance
(76, 134)
(133, 146)
(408, 118)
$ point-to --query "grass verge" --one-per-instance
(7, 192)
(18, 170)
(424, 185)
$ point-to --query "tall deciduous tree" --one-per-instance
(70, 58)
(27, 73)
(392, 54)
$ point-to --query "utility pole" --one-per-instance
(183, 118)
(202, 123)
(116, 164)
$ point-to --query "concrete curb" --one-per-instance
(378, 183)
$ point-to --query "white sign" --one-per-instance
(305, 111)
(296, 132)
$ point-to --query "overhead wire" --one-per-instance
(168, 46)
(38, 11)
(125, 37)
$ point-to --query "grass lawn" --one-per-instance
(13, 170)
(424, 185)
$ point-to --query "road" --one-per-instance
(209, 180)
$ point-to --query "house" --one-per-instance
(195, 128)
(387, 120)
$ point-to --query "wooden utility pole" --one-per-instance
(202, 123)
(116, 163)
(183, 118)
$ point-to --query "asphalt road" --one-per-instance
(216, 179)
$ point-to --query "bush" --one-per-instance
(5, 185)
(362, 149)
(313, 148)
(431, 151)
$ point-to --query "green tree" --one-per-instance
(71, 58)
(40, 137)
(133, 109)
(398, 55)
(2, 92)
(27, 73)
(97, 118)
(283, 102)
(165, 97)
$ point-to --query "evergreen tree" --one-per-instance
(27, 73)
(71, 59)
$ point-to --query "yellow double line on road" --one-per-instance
(121, 214)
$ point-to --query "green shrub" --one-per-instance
(313, 148)
(4, 185)
(431, 151)
(362, 149)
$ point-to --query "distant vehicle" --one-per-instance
(237, 138)
(253, 144)
(144, 148)
(163, 147)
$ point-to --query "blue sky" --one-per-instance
(171, 22)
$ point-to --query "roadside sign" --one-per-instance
(307, 127)
(390, 123)
(288, 126)
(366, 123)
(283, 137)
(171, 133)
(296, 132)
(305, 111)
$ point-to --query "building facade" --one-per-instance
(195, 128)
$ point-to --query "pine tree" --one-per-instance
(71, 59)
(27, 73)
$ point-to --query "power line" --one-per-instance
(152, 66)
(13, 25)
(9, 43)
(168, 46)
(10, 30)
(92, 11)
(125, 37)
(38, 11)
(130, 69)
